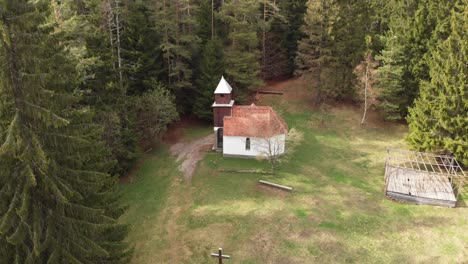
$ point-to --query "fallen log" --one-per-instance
(269, 92)
(245, 171)
(148, 150)
(276, 185)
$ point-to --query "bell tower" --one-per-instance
(222, 107)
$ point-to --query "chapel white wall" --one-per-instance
(235, 145)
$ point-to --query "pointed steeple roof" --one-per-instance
(223, 87)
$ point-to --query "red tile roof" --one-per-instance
(254, 121)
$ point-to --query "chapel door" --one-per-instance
(220, 138)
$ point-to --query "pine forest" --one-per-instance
(89, 89)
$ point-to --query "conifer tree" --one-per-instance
(438, 121)
(289, 32)
(316, 50)
(207, 21)
(90, 30)
(397, 86)
(270, 13)
(334, 43)
(142, 52)
(390, 79)
(57, 204)
(414, 28)
(242, 54)
(211, 69)
(175, 20)
(350, 29)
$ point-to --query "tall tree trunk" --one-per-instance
(365, 92)
(167, 52)
(178, 28)
(234, 34)
(110, 19)
(212, 19)
(318, 101)
(188, 16)
(264, 34)
(119, 57)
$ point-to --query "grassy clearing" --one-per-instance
(146, 195)
(196, 131)
(336, 214)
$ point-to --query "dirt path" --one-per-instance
(190, 153)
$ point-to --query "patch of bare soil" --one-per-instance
(299, 92)
(175, 132)
(293, 89)
(190, 153)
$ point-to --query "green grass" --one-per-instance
(196, 131)
(337, 212)
(146, 195)
(148, 188)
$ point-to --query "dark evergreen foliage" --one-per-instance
(316, 51)
(143, 58)
(414, 27)
(58, 204)
(289, 31)
(242, 55)
(334, 43)
(176, 22)
(438, 121)
(210, 69)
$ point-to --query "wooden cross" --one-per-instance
(220, 255)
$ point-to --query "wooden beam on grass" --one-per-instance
(286, 188)
(270, 92)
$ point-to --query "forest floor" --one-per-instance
(337, 212)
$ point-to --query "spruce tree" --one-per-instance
(438, 121)
(89, 30)
(57, 204)
(334, 44)
(211, 69)
(350, 29)
(390, 81)
(242, 55)
(274, 60)
(414, 28)
(142, 53)
(316, 51)
(289, 32)
(207, 22)
(176, 22)
(397, 86)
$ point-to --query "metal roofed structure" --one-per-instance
(423, 178)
